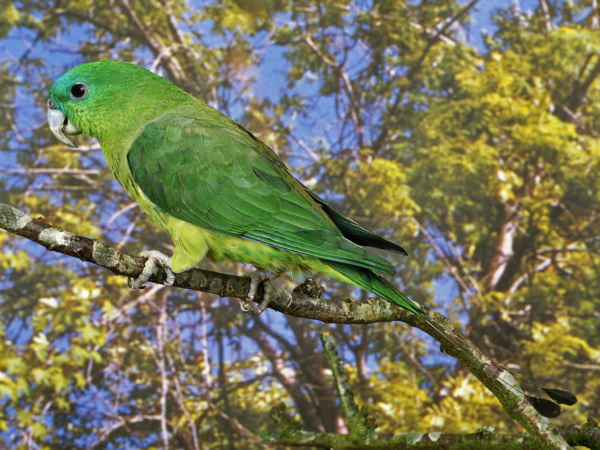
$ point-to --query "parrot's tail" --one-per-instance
(372, 282)
(376, 284)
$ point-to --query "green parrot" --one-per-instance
(220, 192)
(211, 184)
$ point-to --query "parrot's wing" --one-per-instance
(352, 230)
(215, 174)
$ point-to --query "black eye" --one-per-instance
(78, 91)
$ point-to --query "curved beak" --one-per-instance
(60, 125)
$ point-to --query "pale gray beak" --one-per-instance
(60, 125)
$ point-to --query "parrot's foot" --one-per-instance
(256, 279)
(155, 259)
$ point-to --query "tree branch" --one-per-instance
(362, 426)
(416, 67)
(305, 301)
(547, 18)
(154, 42)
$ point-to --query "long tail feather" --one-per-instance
(372, 282)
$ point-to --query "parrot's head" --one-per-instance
(102, 99)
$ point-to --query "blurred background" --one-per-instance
(466, 131)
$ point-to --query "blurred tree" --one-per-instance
(481, 162)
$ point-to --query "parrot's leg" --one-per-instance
(155, 259)
(257, 278)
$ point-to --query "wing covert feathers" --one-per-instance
(205, 169)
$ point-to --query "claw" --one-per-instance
(155, 259)
(256, 279)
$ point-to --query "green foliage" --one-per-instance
(483, 164)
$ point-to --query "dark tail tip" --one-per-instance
(551, 409)
(560, 396)
(545, 407)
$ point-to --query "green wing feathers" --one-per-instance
(353, 231)
(217, 175)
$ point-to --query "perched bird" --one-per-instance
(212, 185)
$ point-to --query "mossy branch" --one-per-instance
(362, 425)
(304, 301)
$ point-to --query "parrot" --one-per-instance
(211, 184)
(217, 190)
